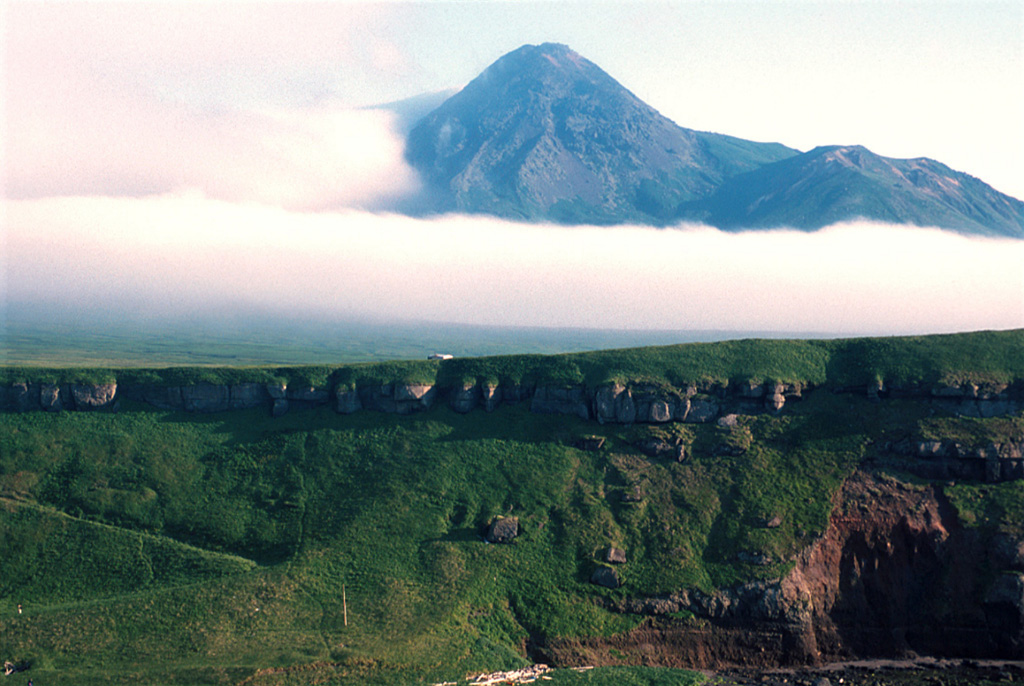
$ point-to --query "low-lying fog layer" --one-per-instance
(184, 252)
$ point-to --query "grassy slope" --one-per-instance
(159, 547)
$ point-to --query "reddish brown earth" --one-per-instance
(894, 575)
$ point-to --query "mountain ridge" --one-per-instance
(543, 134)
(546, 134)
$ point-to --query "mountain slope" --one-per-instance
(545, 134)
(836, 183)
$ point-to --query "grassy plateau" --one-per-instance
(160, 547)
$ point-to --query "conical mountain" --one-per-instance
(545, 134)
(838, 183)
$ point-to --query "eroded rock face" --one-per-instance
(614, 403)
(379, 398)
(347, 400)
(893, 574)
(702, 410)
(163, 397)
(49, 398)
(246, 396)
(280, 407)
(464, 398)
(411, 398)
(951, 459)
(22, 397)
(556, 400)
(491, 397)
(206, 397)
(93, 397)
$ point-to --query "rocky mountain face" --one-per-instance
(835, 183)
(544, 134)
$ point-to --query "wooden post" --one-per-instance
(344, 603)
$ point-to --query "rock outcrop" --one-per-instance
(93, 397)
(556, 400)
(611, 403)
(957, 459)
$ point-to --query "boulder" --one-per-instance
(615, 556)
(503, 530)
(277, 391)
(605, 576)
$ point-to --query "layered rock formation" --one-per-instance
(613, 403)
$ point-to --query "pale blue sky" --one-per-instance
(937, 79)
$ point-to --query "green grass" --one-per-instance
(163, 547)
(981, 357)
(199, 520)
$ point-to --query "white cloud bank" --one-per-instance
(184, 252)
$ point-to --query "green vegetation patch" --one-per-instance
(163, 547)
